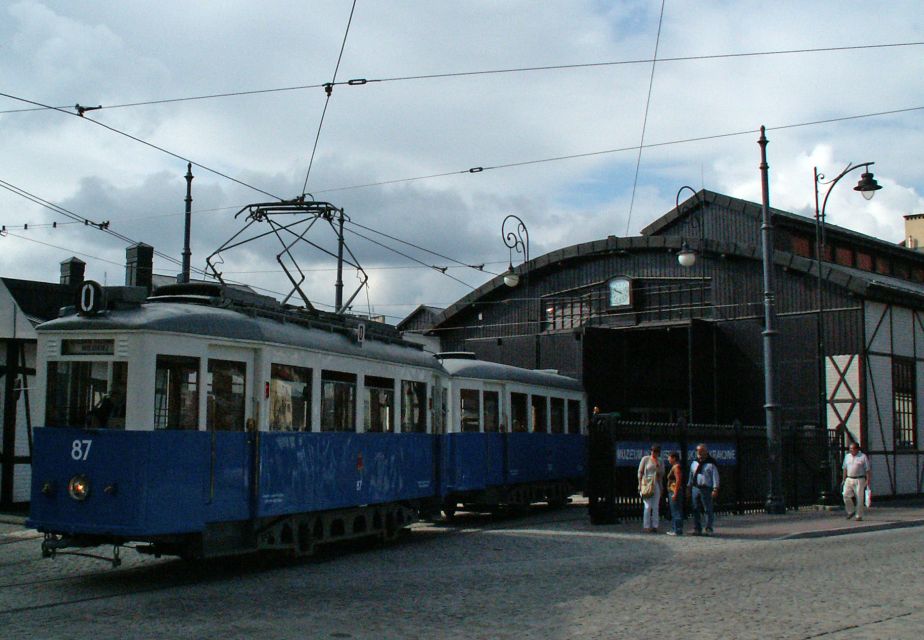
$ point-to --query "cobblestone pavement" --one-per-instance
(546, 575)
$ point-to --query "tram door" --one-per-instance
(493, 426)
(231, 413)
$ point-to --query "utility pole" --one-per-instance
(338, 302)
(184, 276)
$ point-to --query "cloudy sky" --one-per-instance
(414, 132)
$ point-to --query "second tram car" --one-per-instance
(205, 421)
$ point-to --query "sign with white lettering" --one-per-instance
(629, 454)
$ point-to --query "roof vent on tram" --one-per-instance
(457, 355)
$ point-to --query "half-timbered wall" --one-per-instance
(893, 334)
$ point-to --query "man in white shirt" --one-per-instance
(856, 480)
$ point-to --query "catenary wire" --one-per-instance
(328, 89)
(458, 74)
(409, 257)
(641, 145)
(601, 152)
(144, 142)
(418, 247)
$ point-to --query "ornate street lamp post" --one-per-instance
(868, 187)
(775, 503)
(516, 238)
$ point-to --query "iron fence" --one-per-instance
(615, 448)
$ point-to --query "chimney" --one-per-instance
(914, 231)
(139, 266)
(72, 271)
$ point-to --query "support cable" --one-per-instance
(460, 74)
(476, 267)
(638, 162)
(589, 154)
(328, 89)
(144, 142)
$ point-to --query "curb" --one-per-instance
(6, 518)
(846, 531)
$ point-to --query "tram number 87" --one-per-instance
(80, 449)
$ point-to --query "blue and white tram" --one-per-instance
(513, 436)
(201, 423)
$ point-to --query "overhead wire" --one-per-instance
(101, 226)
(328, 89)
(483, 72)
(409, 257)
(638, 162)
(589, 154)
(477, 267)
(144, 142)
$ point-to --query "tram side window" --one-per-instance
(413, 407)
(574, 416)
(290, 398)
(491, 411)
(90, 394)
(471, 410)
(338, 401)
(539, 414)
(379, 406)
(518, 412)
(557, 415)
(176, 393)
(226, 395)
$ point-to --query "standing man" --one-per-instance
(856, 480)
(703, 488)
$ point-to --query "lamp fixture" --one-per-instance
(867, 186)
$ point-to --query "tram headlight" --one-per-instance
(79, 487)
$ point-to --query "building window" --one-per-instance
(338, 401)
(844, 256)
(903, 402)
(801, 246)
(176, 393)
(864, 261)
(379, 405)
(470, 410)
(566, 313)
(226, 391)
(290, 398)
(883, 265)
(413, 407)
(491, 411)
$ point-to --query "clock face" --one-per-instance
(620, 292)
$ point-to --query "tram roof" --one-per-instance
(482, 369)
(205, 320)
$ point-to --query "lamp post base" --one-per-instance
(774, 505)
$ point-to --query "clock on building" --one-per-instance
(620, 290)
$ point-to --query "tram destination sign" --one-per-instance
(86, 347)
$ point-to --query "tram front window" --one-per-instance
(86, 394)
